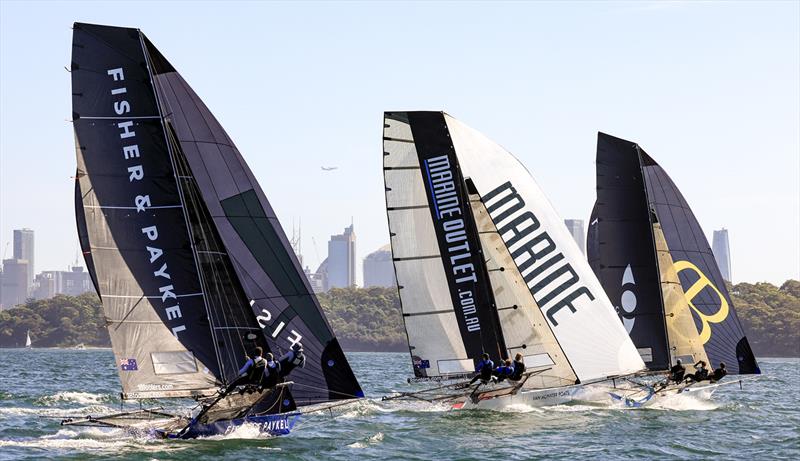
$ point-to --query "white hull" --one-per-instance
(531, 398)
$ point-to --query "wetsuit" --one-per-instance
(518, 371)
(677, 373)
(699, 375)
(253, 372)
(502, 372)
(291, 360)
(272, 374)
(484, 369)
(718, 374)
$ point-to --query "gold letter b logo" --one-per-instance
(694, 290)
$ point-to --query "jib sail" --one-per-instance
(720, 331)
(253, 242)
(569, 299)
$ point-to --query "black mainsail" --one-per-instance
(188, 257)
(642, 221)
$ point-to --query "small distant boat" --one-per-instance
(28, 340)
(80, 346)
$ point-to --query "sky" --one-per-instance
(711, 90)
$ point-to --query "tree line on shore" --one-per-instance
(369, 319)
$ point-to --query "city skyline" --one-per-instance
(696, 100)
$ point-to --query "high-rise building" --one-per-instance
(73, 282)
(341, 262)
(722, 253)
(15, 283)
(23, 249)
(379, 269)
(575, 227)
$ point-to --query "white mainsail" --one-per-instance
(28, 340)
(553, 268)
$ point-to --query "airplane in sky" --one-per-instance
(329, 168)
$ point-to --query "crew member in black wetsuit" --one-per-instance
(519, 368)
(701, 373)
(718, 373)
(272, 372)
(292, 359)
(252, 372)
(484, 369)
(677, 372)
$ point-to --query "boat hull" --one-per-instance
(280, 424)
(531, 398)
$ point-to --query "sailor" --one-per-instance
(253, 370)
(484, 369)
(519, 368)
(677, 372)
(272, 372)
(700, 373)
(503, 371)
(292, 359)
(718, 373)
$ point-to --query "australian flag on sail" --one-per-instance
(128, 365)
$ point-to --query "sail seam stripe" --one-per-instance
(132, 207)
(411, 258)
(144, 117)
(149, 297)
(410, 207)
(386, 138)
(389, 168)
(414, 314)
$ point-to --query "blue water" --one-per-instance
(760, 421)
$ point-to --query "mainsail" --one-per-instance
(520, 286)
(188, 257)
(642, 221)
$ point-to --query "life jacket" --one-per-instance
(485, 368)
(273, 374)
(255, 374)
(292, 360)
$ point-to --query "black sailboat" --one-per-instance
(185, 252)
(654, 262)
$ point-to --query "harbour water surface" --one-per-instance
(759, 421)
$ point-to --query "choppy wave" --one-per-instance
(82, 398)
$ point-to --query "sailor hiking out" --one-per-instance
(700, 373)
(484, 370)
(518, 368)
(677, 372)
(503, 372)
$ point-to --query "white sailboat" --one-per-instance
(484, 264)
(28, 340)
